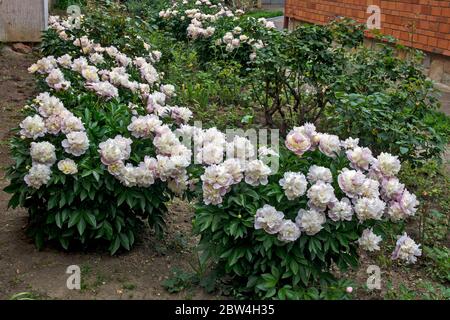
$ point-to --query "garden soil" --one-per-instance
(138, 274)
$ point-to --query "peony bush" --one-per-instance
(96, 155)
(216, 31)
(277, 233)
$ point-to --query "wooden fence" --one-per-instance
(23, 20)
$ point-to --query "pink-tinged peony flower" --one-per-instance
(351, 182)
(387, 164)
(395, 211)
(310, 221)
(408, 202)
(269, 219)
(144, 126)
(391, 188)
(104, 89)
(329, 145)
(321, 195)
(341, 210)
(360, 158)
(406, 249)
(181, 115)
(297, 142)
(289, 231)
(76, 143)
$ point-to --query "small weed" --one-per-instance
(179, 281)
(128, 286)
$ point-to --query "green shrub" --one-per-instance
(87, 205)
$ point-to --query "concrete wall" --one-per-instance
(22, 20)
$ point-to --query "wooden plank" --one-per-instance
(22, 21)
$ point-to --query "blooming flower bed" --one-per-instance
(102, 149)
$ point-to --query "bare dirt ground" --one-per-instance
(134, 275)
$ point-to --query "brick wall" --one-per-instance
(423, 24)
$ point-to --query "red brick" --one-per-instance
(432, 42)
(444, 27)
(436, 11)
(426, 10)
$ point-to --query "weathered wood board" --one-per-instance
(22, 20)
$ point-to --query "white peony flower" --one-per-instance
(351, 182)
(310, 221)
(321, 195)
(76, 143)
(369, 241)
(294, 184)
(341, 210)
(257, 173)
(38, 175)
(68, 166)
(360, 158)
(269, 219)
(391, 188)
(43, 153)
(329, 145)
(70, 124)
(317, 173)
(408, 202)
(90, 74)
(144, 126)
(289, 231)
(350, 143)
(104, 89)
(369, 208)
(168, 90)
(33, 127)
(387, 164)
(406, 249)
(96, 58)
(65, 61)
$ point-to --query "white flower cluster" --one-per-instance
(55, 77)
(240, 164)
(104, 83)
(202, 24)
(52, 118)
